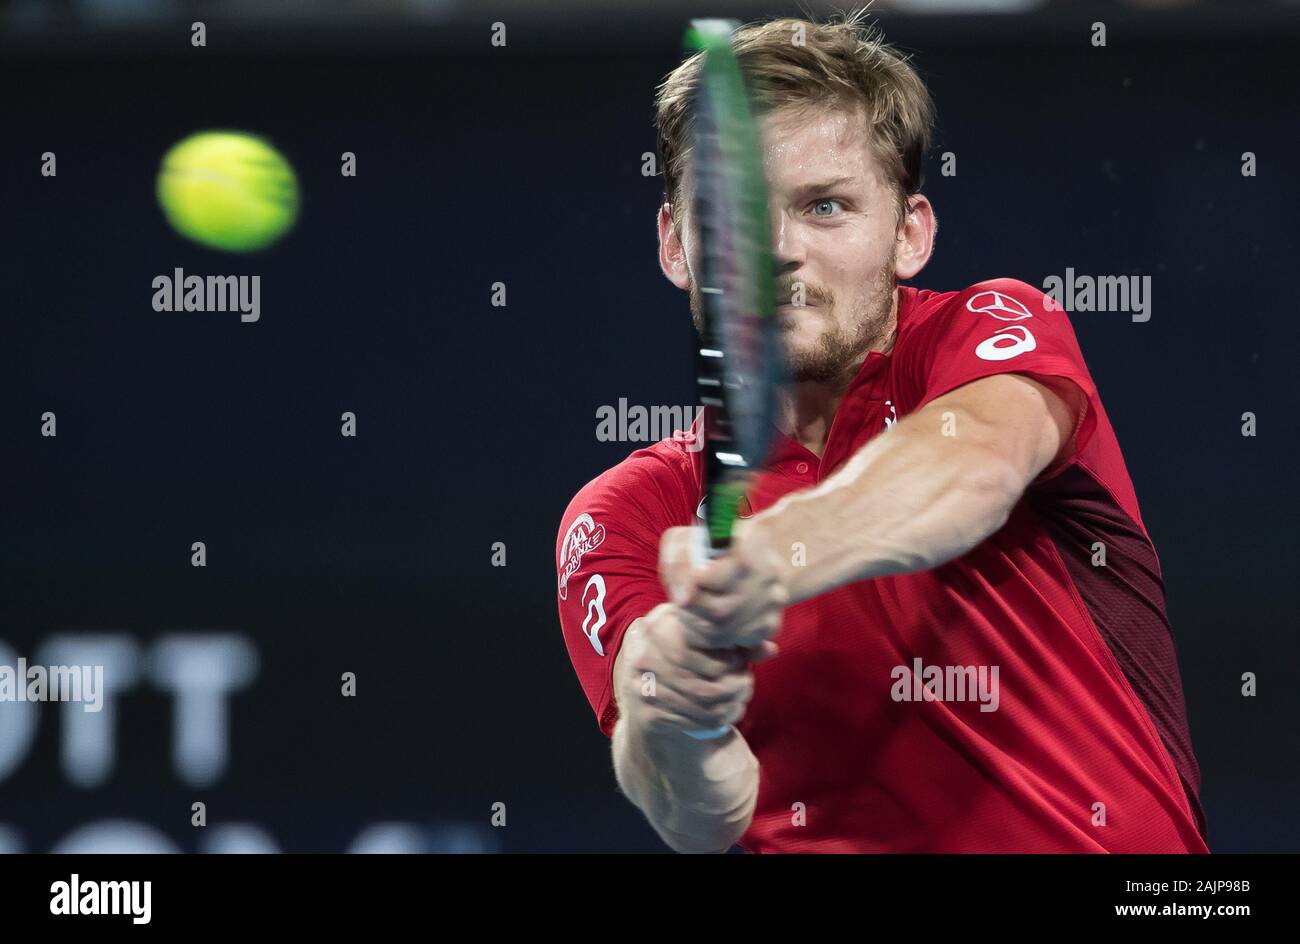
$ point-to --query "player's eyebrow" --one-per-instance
(824, 185)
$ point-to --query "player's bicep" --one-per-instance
(1067, 408)
(1029, 422)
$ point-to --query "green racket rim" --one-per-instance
(738, 131)
(733, 126)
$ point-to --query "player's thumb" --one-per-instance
(679, 559)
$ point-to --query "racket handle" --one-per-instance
(703, 552)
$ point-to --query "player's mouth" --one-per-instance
(791, 317)
(788, 311)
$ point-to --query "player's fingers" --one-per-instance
(701, 633)
(761, 628)
(731, 611)
(672, 657)
(714, 607)
(706, 663)
(722, 575)
(759, 618)
(764, 651)
(659, 668)
(697, 714)
(711, 693)
(679, 560)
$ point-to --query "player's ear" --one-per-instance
(672, 254)
(915, 237)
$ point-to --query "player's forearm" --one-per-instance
(698, 795)
(912, 499)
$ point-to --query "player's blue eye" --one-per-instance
(823, 207)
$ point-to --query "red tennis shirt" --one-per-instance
(1024, 697)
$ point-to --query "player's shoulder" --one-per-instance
(655, 486)
(664, 464)
(1005, 299)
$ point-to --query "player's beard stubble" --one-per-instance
(844, 343)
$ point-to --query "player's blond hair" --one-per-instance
(843, 62)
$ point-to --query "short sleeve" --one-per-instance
(607, 564)
(1000, 327)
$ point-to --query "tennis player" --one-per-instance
(943, 627)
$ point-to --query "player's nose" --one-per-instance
(787, 248)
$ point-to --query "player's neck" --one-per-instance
(807, 408)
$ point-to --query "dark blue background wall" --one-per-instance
(476, 423)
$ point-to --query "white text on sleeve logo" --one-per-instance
(582, 536)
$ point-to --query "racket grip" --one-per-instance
(703, 552)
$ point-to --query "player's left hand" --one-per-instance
(739, 596)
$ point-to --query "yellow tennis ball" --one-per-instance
(228, 190)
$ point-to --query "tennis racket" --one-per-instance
(737, 359)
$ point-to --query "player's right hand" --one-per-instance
(736, 599)
(665, 683)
